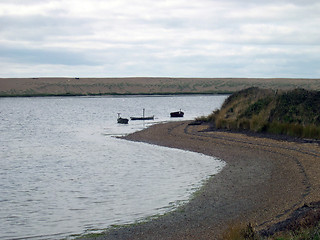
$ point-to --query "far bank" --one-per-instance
(75, 86)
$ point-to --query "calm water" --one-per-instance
(63, 172)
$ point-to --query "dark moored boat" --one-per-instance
(177, 114)
(122, 120)
(143, 117)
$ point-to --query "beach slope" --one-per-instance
(264, 181)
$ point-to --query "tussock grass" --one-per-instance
(295, 113)
(238, 232)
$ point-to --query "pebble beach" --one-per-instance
(263, 182)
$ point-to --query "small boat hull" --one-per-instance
(142, 118)
(177, 114)
(123, 120)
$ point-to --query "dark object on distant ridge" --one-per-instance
(196, 122)
(143, 117)
(122, 120)
(177, 114)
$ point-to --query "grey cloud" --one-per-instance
(203, 38)
(24, 2)
(40, 56)
(42, 25)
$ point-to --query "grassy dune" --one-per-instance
(143, 85)
(288, 112)
(294, 112)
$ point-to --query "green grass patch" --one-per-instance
(295, 113)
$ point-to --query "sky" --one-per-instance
(147, 38)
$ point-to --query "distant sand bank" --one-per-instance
(142, 85)
(263, 182)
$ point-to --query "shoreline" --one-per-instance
(116, 94)
(264, 181)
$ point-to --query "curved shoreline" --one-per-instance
(264, 181)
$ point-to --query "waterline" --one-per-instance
(62, 172)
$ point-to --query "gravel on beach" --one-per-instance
(263, 182)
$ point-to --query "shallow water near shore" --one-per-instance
(63, 172)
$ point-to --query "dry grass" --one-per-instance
(239, 231)
(295, 113)
(304, 224)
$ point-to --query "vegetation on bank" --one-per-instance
(248, 233)
(295, 113)
(303, 224)
(289, 112)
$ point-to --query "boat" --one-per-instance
(143, 117)
(122, 120)
(177, 114)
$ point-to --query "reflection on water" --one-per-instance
(62, 172)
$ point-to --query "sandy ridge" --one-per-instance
(264, 181)
(142, 85)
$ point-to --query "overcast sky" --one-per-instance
(173, 38)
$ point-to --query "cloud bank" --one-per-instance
(176, 38)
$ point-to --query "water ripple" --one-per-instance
(61, 172)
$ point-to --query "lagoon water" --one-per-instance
(63, 172)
